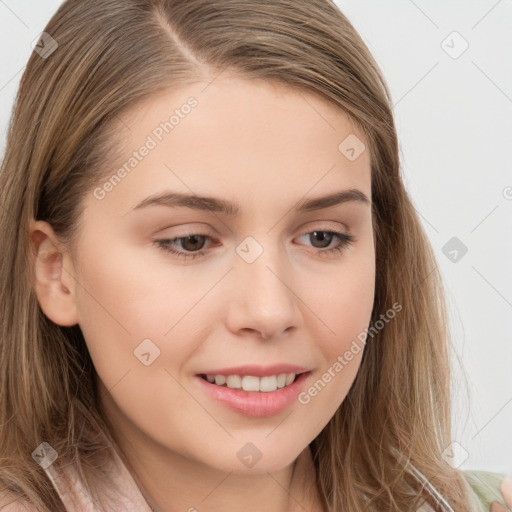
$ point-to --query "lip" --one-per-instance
(257, 370)
(254, 403)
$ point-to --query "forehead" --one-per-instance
(248, 138)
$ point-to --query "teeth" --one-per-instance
(251, 383)
(234, 381)
(220, 380)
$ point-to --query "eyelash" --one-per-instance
(345, 240)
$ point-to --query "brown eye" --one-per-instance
(191, 245)
(192, 242)
(321, 239)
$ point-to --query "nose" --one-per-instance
(262, 297)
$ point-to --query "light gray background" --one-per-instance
(454, 119)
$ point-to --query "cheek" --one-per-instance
(130, 288)
(344, 302)
(124, 316)
(347, 313)
(345, 308)
(123, 302)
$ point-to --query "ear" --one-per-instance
(54, 282)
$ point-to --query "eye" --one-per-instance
(324, 239)
(192, 244)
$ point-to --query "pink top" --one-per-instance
(75, 497)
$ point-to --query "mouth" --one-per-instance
(265, 384)
(253, 396)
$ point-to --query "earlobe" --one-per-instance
(53, 277)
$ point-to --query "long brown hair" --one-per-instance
(114, 53)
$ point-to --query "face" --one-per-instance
(262, 279)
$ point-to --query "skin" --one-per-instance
(506, 491)
(266, 147)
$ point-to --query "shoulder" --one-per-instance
(485, 486)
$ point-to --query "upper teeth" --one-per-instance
(251, 383)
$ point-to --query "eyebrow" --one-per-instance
(213, 204)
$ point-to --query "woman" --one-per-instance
(216, 291)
